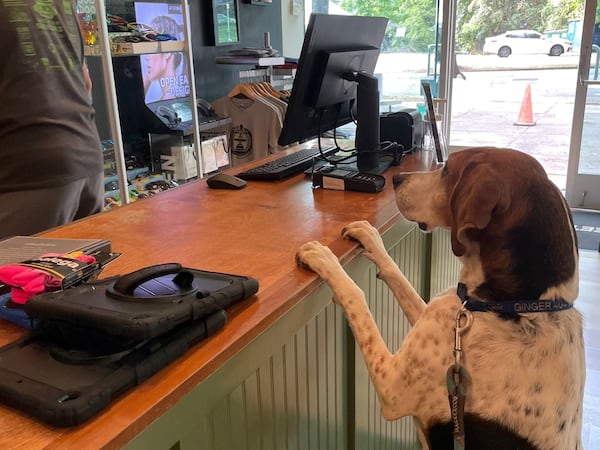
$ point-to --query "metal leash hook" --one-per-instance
(459, 330)
(456, 379)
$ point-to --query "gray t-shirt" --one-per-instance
(255, 128)
(47, 132)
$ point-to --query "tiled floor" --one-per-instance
(587, 303)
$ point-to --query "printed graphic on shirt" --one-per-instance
(241, 142)
(43, 18)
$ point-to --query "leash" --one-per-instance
(457, 376)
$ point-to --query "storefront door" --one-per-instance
(583, 175)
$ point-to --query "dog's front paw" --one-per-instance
(316, 257)
(368, 236)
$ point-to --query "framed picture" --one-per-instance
(225, 22)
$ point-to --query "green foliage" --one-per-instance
(476, 19)
(557, 16)
(417, 17)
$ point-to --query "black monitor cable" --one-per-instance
(394, 149)
(386, 147)
(351, 111)
(337, 147)
(390, 148)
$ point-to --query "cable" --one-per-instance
(350, 105)
(337, 147)
(394, 149)
(390, 148)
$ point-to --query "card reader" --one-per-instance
(331, 177)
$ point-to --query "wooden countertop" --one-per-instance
(254, 231)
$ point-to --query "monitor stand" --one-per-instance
(369, 157)
(373, 162)
(378, 167)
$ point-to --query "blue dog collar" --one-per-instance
(512, 306)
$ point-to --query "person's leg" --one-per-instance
(31, 211)
(91, 200)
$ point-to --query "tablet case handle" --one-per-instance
(127, 284)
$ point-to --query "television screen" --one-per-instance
(164, 75)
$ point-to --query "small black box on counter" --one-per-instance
(404, 127)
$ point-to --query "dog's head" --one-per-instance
(509, 223)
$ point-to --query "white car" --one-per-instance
(525, 42)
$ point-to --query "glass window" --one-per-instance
(411, 47)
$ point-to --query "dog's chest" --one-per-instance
(529, 377)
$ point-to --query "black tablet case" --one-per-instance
(145, 303)
(95, 341)
(65, 383)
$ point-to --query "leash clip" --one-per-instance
(461, 327)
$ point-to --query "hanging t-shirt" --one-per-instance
(255, 128)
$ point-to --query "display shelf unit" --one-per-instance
(106, 49)
(176, 155)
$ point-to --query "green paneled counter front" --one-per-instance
(284, 373)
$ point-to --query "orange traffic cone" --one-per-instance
(526, 115)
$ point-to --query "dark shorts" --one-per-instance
(23, 213)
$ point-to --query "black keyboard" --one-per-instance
(287, 165)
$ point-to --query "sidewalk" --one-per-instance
(485, 114)
(487, 103)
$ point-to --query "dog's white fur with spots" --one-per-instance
(512, 230)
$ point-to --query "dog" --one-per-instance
(521, 370)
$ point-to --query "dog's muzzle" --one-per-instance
(398, 179)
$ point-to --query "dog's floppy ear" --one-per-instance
(476, 195)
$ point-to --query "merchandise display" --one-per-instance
(152, 89)
(32, 265)
(256, 114)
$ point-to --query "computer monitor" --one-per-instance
(334, 79)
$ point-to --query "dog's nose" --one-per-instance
(398, 179)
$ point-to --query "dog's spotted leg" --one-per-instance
(386, 370)
(410, 301)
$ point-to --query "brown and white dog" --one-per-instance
(513, 232)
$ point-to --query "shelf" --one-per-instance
(213, 123)
(262, 61)
(137, 48)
